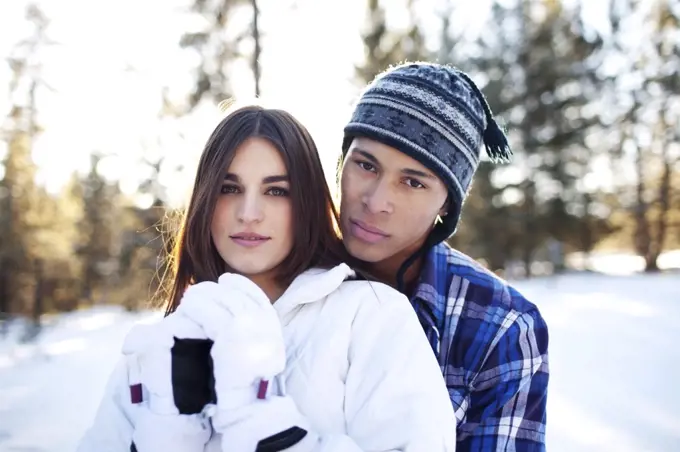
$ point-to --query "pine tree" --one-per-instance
(99, 229)
(218, 47)
(643, 93)
(21, 200)
(385, 46)
(538, 73)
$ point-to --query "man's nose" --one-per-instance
(378, 198)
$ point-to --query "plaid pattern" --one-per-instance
(492, 346)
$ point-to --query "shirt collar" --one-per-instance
(433, 282)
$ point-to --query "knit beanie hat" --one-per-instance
(436, 115)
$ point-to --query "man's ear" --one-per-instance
(338, 170)
(444, 209)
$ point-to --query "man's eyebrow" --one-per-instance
(367, 155)
(408, 171)
(418, 173)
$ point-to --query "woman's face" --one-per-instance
(252, 225)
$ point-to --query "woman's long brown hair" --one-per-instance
(316, 241)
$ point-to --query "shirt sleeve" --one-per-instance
(506, 407)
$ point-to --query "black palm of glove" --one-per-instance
(193, 386)
(193, 381)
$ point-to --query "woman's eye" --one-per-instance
(228, 189)
(276, 191)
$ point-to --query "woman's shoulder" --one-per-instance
(372, 295)
(345, 291)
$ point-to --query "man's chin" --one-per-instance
(364, 251)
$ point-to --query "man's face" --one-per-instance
(389, 201)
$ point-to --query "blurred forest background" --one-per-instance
(593, 114)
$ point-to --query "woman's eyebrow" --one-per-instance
(272, 179)
(267, 180)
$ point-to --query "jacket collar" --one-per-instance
(313, 285)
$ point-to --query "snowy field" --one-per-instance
(615, 365)
(614, 361)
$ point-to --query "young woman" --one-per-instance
(304, 358)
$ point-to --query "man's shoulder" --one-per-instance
(482, 311)
(473, 283)
(494, 356)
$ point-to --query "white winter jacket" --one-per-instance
(359, 369)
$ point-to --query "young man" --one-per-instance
(410, 153)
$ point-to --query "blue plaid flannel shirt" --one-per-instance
(492, 346)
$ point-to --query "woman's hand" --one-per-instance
(248, 352)
(248, 341)
(162, 423)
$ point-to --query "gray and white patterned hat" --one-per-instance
(436, 115)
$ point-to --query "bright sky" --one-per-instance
(113, 58)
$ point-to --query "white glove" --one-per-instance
(248, 341)
(248, 348)
(147, 348)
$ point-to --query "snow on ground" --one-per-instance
(615, 367)
(614, 361)
(50, 391)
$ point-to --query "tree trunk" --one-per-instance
(4, 298)
(258, 48)
(530, 226)
(38, 300)
(587, 233)
(651, 264)
(88, 276)
(642, 238)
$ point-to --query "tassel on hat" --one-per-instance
(495, 141)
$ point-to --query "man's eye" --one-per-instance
(413, 183)
(366, 166)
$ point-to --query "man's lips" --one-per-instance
(366, 232)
